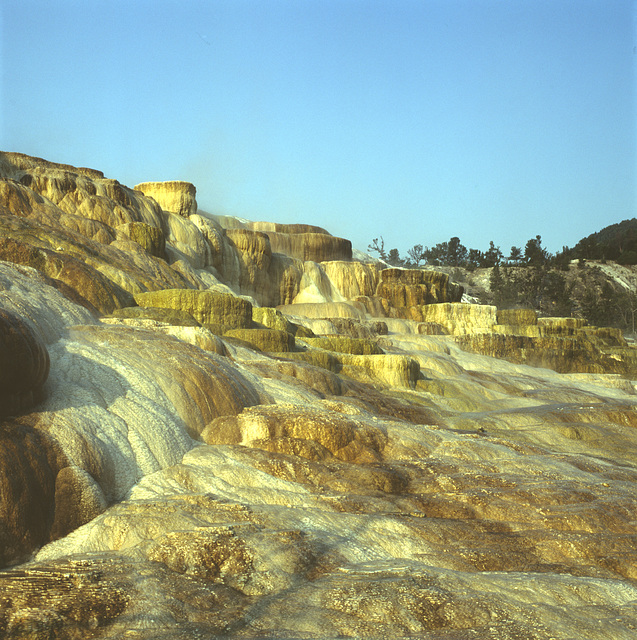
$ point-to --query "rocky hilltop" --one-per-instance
(219, 428)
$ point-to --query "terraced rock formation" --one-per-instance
(203, 437)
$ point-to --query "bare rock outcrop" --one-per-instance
(300, 241)
(207, 307)
(29, 240)
(309, 433)
(78, 499)
(175, 196)
(345, 344)
(101, 199)
(314, 247)
(13, 164)
(325, 310)
(458, 317)
(49, 309)
(173, 317)
(565, 345)
(29, 464)
(516, 317)
(304, 242)
(405, 288)
(24, 365)
(277, 227)
(254, 262)
(390, 370)
(92, 289)
(243, 259)
(151, 239)
(353, 279)
(265, 481)
(273, 340)
(272, 319)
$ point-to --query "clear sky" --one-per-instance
(415, 120)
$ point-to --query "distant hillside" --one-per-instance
(617, 242)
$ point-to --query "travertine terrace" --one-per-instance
(220, 429)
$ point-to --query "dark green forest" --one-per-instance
(562, 284)
(617, 243)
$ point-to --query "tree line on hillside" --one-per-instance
(616, 243)
(536, 279)
(585, 293)
(454, 254)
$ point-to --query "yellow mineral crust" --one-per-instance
(374, 481)
(174, 196)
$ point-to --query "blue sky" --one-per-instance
(412, 120)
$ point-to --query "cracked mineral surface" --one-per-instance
(212, 466)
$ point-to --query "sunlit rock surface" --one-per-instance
(404, 288)
(565, 345)
(207, 307)
(458, 318)
(175, 196)
(304, 242)
(252, 453)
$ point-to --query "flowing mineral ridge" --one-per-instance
(213, 428)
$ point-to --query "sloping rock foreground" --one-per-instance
(165, 476)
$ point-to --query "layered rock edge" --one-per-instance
(214, 428)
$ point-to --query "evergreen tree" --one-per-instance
(534, 253)
(554, 296)
(475, 259)
(456, 252)
(562, 260)
(516, 255)
(504, 288)
(394, 259)
(449, 254)
(493, 256)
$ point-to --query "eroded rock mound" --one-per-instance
(312, 434)
(344, 344)
(562, 354)
(29, 464)
(264, 339)
(565, 345)
(92, 288)
(174, 196)
(174, 317)
(219, 310)
(405, 288)
(314, 247)
(24, 365)
(149, 238)
(71, 257)
(268, 481)
(458, 318)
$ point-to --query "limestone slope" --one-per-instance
(181, 459)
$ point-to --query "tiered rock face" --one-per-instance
(165, 481)
(72, 235)
(405, 288)
(219, 310)
(152, 238)
(565, 345)
(459, 318)
(366, 289)
(305, 242)
(314, 247)
(174, 196)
